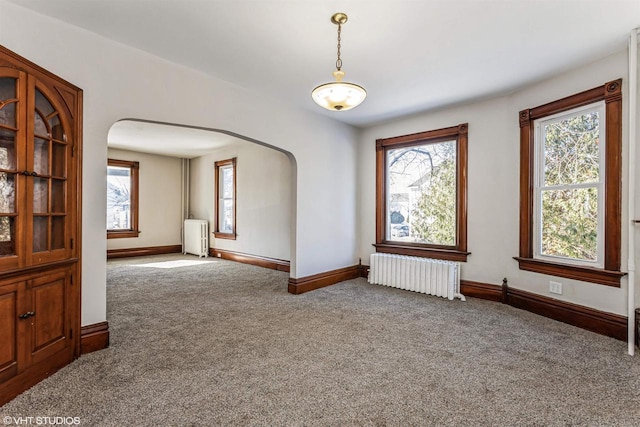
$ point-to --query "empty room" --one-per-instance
(269, 212)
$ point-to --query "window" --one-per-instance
(421, 199)
(570, 186)
(225, 172)
(122, 199)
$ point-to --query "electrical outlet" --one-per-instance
(219, 255)
(555, 288)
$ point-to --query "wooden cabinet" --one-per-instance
(40, 161)
(10, 305)
(36, 320)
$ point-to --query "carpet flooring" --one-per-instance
(217, 343)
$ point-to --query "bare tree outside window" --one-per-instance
(422, 192)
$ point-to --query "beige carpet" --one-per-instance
(220, 343)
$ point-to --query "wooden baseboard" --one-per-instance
(638, 327)
(481, 290)
(94, 337)
(309, 283)
(260, 261)
(609, 324)
(150, 250)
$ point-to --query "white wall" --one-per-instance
(263, 210)
(493, 199)
(122, 82)
(160, 200)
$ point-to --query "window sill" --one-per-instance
(585, 274)
(229, 236)
(420, 251)
(118, 234)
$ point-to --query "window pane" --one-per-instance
(7, 92)
(118, 198)
(57, 232)
(570, 223)
(56, 128)
(7, 193)
(8, 114)
(40, 229)
(58, 158)
(571, 150)
(226, 177)
(39, 127)
(57, 196)
(7, 149)
(421, 200)
(226, 216)
(43, 105)
(41, 156)
(7, 88)
(7, 236)
(40, 195)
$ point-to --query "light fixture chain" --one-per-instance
(339, 61)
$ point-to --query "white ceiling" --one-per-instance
(166, 139)
(410, 55)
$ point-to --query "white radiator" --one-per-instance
(424, 275)
(196, 237)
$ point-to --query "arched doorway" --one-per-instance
(176, 168)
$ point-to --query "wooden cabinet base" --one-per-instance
(33, 375)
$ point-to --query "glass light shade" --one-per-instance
(338, 95)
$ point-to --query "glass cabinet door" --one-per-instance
(11, 160)
(48, 150)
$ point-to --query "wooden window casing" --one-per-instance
(218, 165)
(611, 94)
(456, 252)
(133, 230)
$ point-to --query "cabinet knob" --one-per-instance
(27, 315)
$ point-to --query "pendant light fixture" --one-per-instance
(339, 95)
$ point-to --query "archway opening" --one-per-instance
(176, 168)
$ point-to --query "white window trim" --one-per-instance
(539, 181)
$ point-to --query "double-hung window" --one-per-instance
(570, 186)
(225, 172)
(422, 194)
